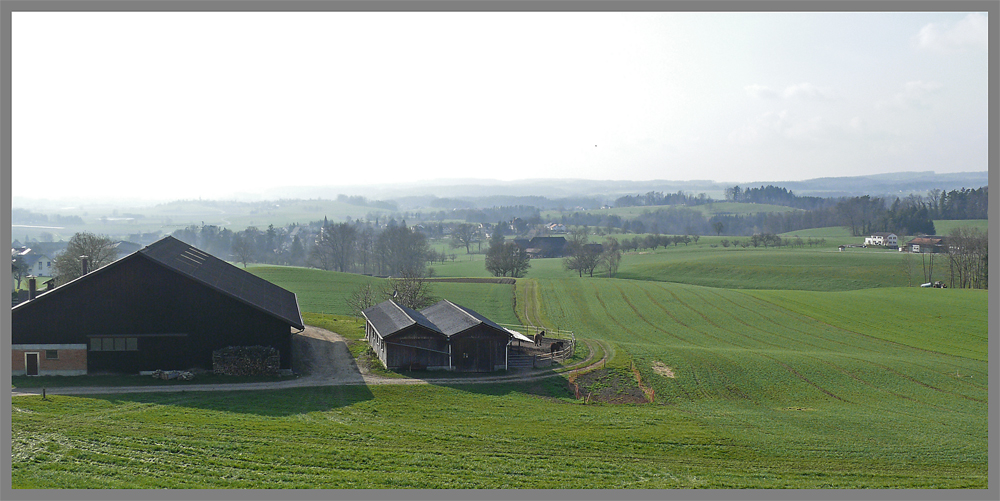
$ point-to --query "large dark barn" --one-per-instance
(442, 336)
(167, 306)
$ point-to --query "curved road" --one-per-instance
(324, 360)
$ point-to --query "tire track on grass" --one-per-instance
(803, 378)
(723, 298)
(867, 336)
(717, 326)
(834, 366)
(731, 387)
(876, 340)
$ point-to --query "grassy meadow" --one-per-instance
(771, 368)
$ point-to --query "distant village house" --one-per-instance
(882, 239)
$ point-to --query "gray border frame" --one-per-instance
(11, 6)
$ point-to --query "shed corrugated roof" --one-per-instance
(225, 278)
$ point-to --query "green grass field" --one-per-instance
(944, 227)
(789, 368)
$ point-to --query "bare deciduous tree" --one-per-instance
(967, 257)
(462, 236)
(612, 255)
(100, 251)
(410, 290)
(364, 297)
(581, 256)
(243, 248)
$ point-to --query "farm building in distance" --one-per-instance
(441, 336)
(166, 306)
(883, 239)
(542, 247)
(927, 244)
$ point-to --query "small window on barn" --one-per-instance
(131, 344)
(108, 344)
(95, 344)
(119, 344)
(51, 354)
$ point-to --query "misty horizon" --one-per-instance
(247, 101)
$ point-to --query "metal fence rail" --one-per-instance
(544, 360)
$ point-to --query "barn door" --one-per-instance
(484, 360)
(31, 364)
(473, 354)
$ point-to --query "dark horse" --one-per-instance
(538, 338)
(556, 346)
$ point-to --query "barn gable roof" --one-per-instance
(225, 278)
(444, 317)
(388, 318)
(209, 271)
(452, 319)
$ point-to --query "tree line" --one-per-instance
(25, 216)
(653, 198)
(775, 195)
(356, 247)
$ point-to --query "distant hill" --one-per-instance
(896, 184)
(568, 193)
(606, 191)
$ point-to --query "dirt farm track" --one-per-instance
(321, 358)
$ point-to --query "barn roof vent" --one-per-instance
(85, 262)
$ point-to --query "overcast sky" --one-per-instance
(207, 104)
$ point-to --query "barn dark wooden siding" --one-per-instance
(176, 320)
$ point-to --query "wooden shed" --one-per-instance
(167, 306)
(402, 337)
(442, 336)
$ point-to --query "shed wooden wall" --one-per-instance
(399, 356)
(480, 349)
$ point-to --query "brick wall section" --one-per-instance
(71, 361)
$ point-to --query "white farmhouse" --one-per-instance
(39, 265)
(882, 239)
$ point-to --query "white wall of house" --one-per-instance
(887, 240)
(42, 268)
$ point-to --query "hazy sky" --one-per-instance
(207, 104)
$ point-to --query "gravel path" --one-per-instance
(323, 359)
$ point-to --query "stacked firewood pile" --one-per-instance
(246, 361)
(166, 375)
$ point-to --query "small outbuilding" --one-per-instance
(167, 306)
(442, 336)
